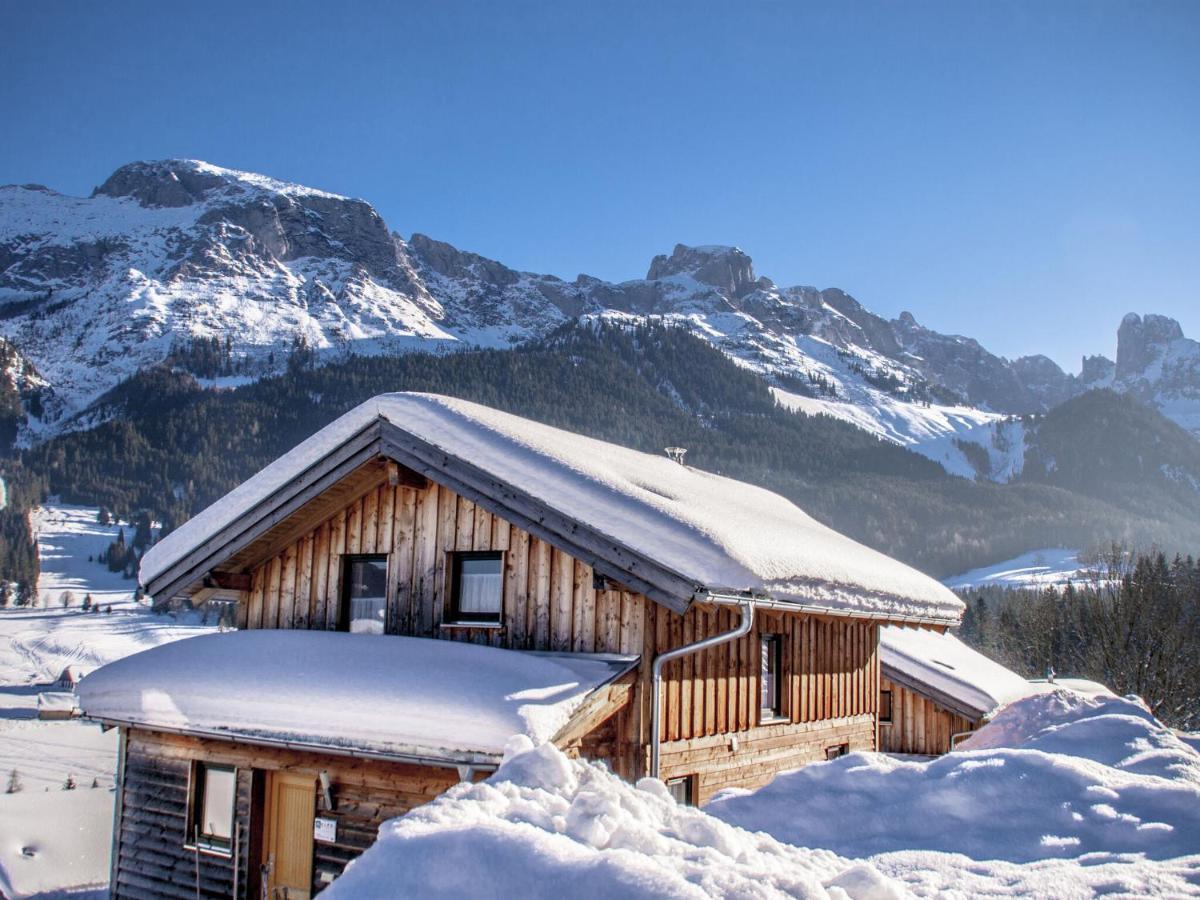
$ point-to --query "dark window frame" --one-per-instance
(837, 750)
(689, 789)
(774, 713)
(348, 559)
(886, 720)
(454, 615)
(196, 837)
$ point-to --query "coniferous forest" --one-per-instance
(1133, 625)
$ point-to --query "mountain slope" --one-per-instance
(168, 445)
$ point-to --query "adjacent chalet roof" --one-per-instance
(667, 530)
(946, 670)
(398, 697)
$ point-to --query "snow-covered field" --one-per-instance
(1062, 796)
(53, 839)
(1037, 569)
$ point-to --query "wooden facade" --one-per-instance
(919, 724)
(155, 859)
(713, 731)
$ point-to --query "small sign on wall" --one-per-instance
(325, 830)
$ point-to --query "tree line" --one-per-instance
(1133, 624)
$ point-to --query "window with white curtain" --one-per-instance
(364, 595)
(477, 591)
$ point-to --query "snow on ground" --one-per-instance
(53, 839)
(1062, 796)
(545, 826)
(56, 841)
(1037, 569)
(1073, 795)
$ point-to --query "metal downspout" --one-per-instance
(743, 628)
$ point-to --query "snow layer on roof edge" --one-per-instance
(946, 664)
(714, 531)
(378, 693)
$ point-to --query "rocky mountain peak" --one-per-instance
(728, 269)
(1140, 340)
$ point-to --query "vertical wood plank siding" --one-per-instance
(830, 667)
(919, 725)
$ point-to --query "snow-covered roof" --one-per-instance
(717, 534)
(950, 670)
(402, 697)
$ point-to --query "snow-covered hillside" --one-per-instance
(166, 252)
(1062, 796)
(51, 838)
(1037, 569)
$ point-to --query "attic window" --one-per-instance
(364, 595)
(477, 588)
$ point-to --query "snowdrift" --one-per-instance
(1053, 775)
(1062, 796)
(548, 826)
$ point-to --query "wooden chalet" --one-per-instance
(935, 690)
(713, 635)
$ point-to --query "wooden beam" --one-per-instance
(604, 703)
(234, 581)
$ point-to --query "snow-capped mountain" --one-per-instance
(163, 253)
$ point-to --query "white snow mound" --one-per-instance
(1055, 775)
(545, 826)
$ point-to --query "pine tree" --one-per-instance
(69, 784)
(14, 782)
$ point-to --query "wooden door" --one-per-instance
(288, 842)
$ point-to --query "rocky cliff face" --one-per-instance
(167, 252)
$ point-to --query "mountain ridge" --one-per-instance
(168, 252)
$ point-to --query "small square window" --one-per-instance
(836, 750)
(770, 683)
(364, 595)
(683, 789)
(885, 707)
(477, 588)
(210, 821)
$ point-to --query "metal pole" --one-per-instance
(743, 628)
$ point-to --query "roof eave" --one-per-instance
(411, 754)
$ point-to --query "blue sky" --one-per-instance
(1024, 173)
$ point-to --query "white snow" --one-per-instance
(52, 839)
(381, 693)
(718, 533)
(946, 664)
(1086, 797)
(1092, 782)
(1037, 569)
(54, 842)
(545, 826)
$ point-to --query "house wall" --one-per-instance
(830, 666)
(919, 725)
(830, 670)
(152, 860)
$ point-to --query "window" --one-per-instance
(477, 589)
(364, 595)
(210, 820)
(885, 707)
(682, 789)
(769, 678)
(836, 750)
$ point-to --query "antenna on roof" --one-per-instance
(676, 453)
